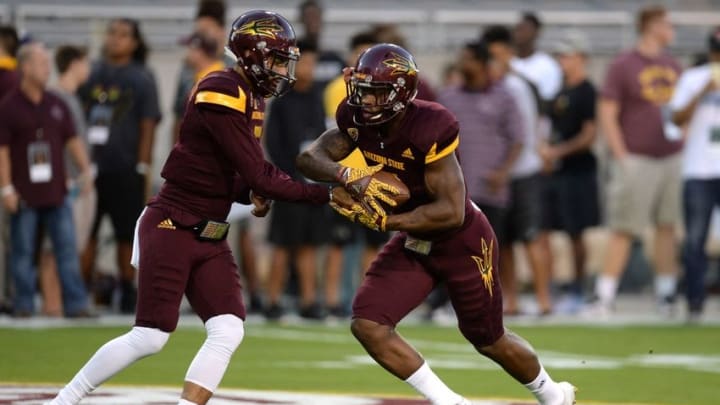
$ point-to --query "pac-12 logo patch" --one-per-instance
(354, 133)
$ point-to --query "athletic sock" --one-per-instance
(428, 384)
(665, 285)
(110, 359)
(74, 391)
(606, 289)
(545, 389)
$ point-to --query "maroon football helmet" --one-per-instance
(387, 72)
(263, 42)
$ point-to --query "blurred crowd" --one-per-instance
(80, 150)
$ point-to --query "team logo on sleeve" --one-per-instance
(485, 264)
(400, 65)
(266, 27)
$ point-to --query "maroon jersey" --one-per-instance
(218, 158)
(427, 133)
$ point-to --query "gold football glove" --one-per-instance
(357, 213)
(361, 184)
(378, 190)
(349, 175)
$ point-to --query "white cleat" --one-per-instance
(464, 402)
(568, 392)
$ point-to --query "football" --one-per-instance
(392, 179)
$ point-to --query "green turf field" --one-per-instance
(654, 365)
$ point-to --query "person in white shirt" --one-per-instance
(696, 106)
(537, 66)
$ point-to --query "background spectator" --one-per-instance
(298, 230)
(210, 24)
(571, 197)
(537, 66)
(524, 213)
(73, 67)
(492, 133)
(696, 105)
(122, 106)
(329, 63)
(645, 185)
(37, 128)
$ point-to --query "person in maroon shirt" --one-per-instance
(37, 128)
(442, 236)
(180, 245)
(644, 190)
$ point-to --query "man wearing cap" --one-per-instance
(644, 187)
(572, 190)
(696, 106)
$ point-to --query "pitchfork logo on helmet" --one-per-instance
(382, 84)
(400, 65)
(263, 43)
(264, 28)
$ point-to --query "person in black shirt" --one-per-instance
(297, 230)
(121, 103)
(572, 192)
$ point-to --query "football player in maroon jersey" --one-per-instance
(180, 245)
(442, 235)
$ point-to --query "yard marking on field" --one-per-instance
(25, 395)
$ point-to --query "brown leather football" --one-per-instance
(392, 179)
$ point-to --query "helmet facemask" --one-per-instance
(274, 71)
(386, 96)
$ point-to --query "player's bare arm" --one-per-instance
(444, 182)
(609, 114)
(320, 161)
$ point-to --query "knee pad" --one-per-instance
(225, 332)
(147, 341)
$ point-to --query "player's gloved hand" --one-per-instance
(378, 190)
(357, 213)
(350, 175)
(361, 184)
